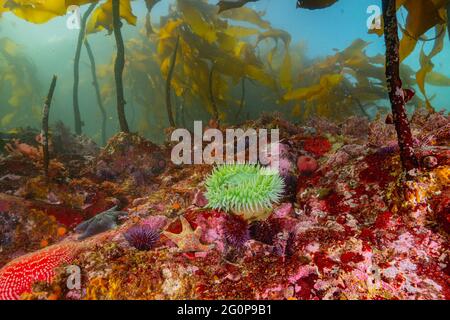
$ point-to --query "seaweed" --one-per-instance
(97, 89)
(396, 93)
(76, 69)
(45, 116)
(168, 83)
(119, 66)
(356, 209)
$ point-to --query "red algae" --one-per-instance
(354, 257)
(344, 225)
(322, 261)
(335, 204)
(382, 220)
(329, 176)
(378, 170)
(317, 146)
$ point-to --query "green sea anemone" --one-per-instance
(244, 189)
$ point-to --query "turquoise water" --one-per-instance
(50, 47)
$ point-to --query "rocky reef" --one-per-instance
(348, 225)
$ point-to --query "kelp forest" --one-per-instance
(128, 129)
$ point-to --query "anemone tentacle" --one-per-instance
(244, 189)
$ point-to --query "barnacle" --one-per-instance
(244, 189)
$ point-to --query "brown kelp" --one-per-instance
(44, 133)
(169, 83)
(76, 69)
(207, 42)
(337, 220)
(19, 86)
(119, 65)
(422, 16)
(96, 86)
(107, 16)
(209, 38)
(397, 94)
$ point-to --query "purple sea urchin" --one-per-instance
(142, 237)
(235, 231)
(244, 189)
(265, 231)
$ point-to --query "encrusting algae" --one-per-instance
(354, 205)
(329, 241)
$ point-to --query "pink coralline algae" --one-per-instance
(155, 222)
(348, 232)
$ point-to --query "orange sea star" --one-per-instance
(188, 240)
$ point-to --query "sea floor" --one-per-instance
(348, 227)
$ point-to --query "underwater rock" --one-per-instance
(104, 172)
(275, 120)
(323, 126)
(435, 121)
(381, 134)
(389, 149)
(307, 165)
(66, 143)
(345, 154)
(155, 222)
(284, 210)
(441, 206)
(211, 222)
(419, 117)
(8, 224)
(100, 223)
(285, 166)
(25, 135)
(338, 159)
(160, 164)
(129, 155)
(17, 148)
(354, 150)
(356, 127)
(348, 220)
(10, 177)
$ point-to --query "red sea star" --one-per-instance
(18, 276)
